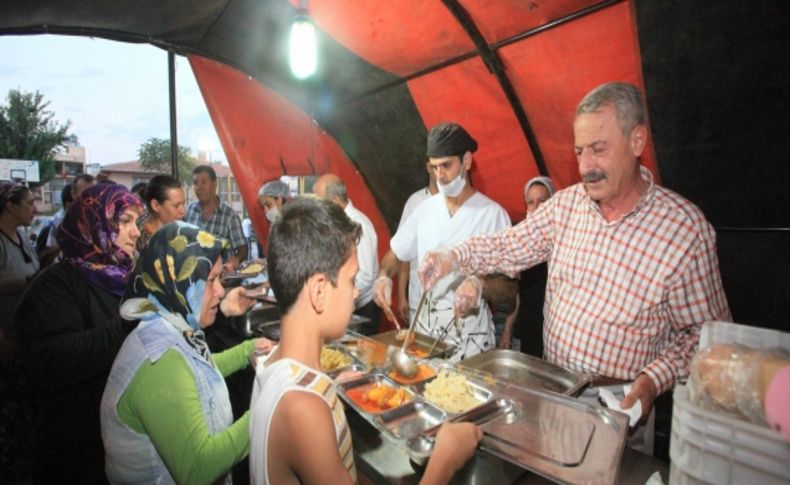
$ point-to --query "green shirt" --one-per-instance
(162, 402)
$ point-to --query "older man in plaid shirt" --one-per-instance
(211, 214)
(633, 271)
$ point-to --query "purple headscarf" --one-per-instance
(88, 233)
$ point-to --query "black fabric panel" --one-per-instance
(382, 133)
(385, 137)
(755, 268)
(177, 22)
(717, 77)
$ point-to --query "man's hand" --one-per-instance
(435, 266)
(382, 291)
(643, 389)
(235, 302)
(504, 341)
(467, 296)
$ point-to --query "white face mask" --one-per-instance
(273, 214)
(453, 188)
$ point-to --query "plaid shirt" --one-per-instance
(623, 297)
(223, 223)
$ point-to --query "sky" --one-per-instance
(114, 94)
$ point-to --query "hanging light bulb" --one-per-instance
(303, 46)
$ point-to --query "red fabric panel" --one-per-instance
(258, 127)
(401, 36)
(468, 94)
(501, 19)
(552, 71)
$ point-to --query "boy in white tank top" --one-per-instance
(298, 428)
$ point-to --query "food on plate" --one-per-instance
(378, 397)
(424, 372)
(252, 268)
(332, 359)
(371, 352)
(402, 335)
(417, 352)
(451, 392)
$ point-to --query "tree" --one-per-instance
(154, 155)
(28, 131)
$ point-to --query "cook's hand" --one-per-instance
(467, 296)
(643, 389)
(382, 291)
(435, 266)
(264, 345)
(403, 308)
(455, 444)
(235, 302)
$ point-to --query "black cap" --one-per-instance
(449, 140)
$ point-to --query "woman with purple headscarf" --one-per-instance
(70, 330)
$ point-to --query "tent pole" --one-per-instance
(171, 74)
(496, 68)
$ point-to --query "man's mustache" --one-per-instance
(593, 176)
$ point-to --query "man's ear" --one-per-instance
(467, 160)
(638, 140)
(316, 289)
(155, 205)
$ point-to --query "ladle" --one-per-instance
(403, 363)
(441, 334)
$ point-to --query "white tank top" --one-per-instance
(272, 381)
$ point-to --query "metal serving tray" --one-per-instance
(354, 365)
(411, 419)
(421, 341)
(528, 371)
(550, 434)
(367, 380)
(481, 392)
(264, 321)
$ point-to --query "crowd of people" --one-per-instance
(611, 277)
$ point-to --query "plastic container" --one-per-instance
(716, 447)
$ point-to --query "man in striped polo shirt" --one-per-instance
(633, 271)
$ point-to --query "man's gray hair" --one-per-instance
(626, 98)
(337, 188)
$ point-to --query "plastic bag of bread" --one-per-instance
(734, 378)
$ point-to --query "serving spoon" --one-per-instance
(403, 363)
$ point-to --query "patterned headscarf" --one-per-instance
(88, 233)
(172, 270)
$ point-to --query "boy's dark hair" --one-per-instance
(312, 236)
(207, 170)
(157, 189)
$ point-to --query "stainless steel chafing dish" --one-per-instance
(421, 343)
(528, 371)
(550, 434)
(263, 320)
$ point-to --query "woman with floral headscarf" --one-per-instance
(69, 331)
(166, 413)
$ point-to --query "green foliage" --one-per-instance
(154, 155)
(29, 131)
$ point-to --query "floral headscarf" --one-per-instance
(172, 270)
(88, 233)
